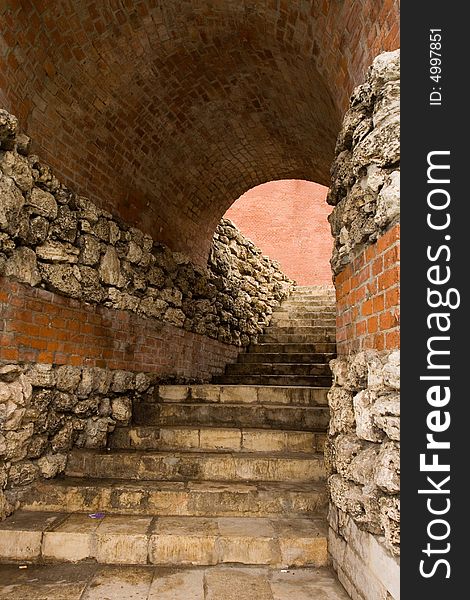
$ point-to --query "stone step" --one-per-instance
(279, 313)
(241, 394)
(293, 347)
(175, 498)
(313, 418)
(279, 337)
(303, 330)
(140, 540)
(215, 438)
(195, 466)
(284, 357)
(282, 380)
(305, 304)
(314, 292)
(278, 368)
(301, 322)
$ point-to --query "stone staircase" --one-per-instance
(228, 472)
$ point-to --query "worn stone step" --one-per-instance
(215, 438)
(308, 337)
(324, 313)
(140, 540)
(306, 305)
(285, 321)
(285, 357)
(320, 334)
(292, 347)
(231, 415)
(195, 466)
(283, 380)
(175, 498)
(242, 394)
(278, 369)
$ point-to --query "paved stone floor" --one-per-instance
(90, 581)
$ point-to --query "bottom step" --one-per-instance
(122, 539)
(90, 581)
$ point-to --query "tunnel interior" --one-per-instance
(164, 113)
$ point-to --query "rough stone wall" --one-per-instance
(363, 440)
(94, 312)
(54, 239)
(289, 220)
(46, 409)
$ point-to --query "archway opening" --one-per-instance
(288, 220)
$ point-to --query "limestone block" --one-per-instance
(90, 250)
(23, 265)
(185, 541)
(386, 415)
(390, 521)
(11, 205)
(42, 203)
(110, 267)
(121, 540)
(22, 473)
(62, 278)
(9, 373)
(68, 378)
(17, 442)
(175, 393)
(121, 409)
(72, 541)
(21, 534)
(18, 168)
(123, 381)
(51, 465)
(41, 375)
(240, 394)
(388, 201)
(364, 415)
(392, 370)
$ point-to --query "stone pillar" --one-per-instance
(363, 443)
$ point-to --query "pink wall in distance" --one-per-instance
(288, 220)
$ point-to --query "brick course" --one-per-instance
(40, 326)
(368, 297)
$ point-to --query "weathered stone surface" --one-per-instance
(363, 412)
(11, 205)
(8, 129)
(90, 250)
(121, 409)
(57, 252)
(110, 267)
(68, 378)
(62, 279)
(23, 266)
(18, 168)
(365, 186)
(363, 449)
(52, 464)
(42, 203)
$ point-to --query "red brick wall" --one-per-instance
(288, 221)
(165, 112)
(39, 326)
(368, 297)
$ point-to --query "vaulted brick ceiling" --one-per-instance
(165, 111)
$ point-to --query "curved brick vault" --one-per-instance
(166, 112)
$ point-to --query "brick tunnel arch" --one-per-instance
(165, 113)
